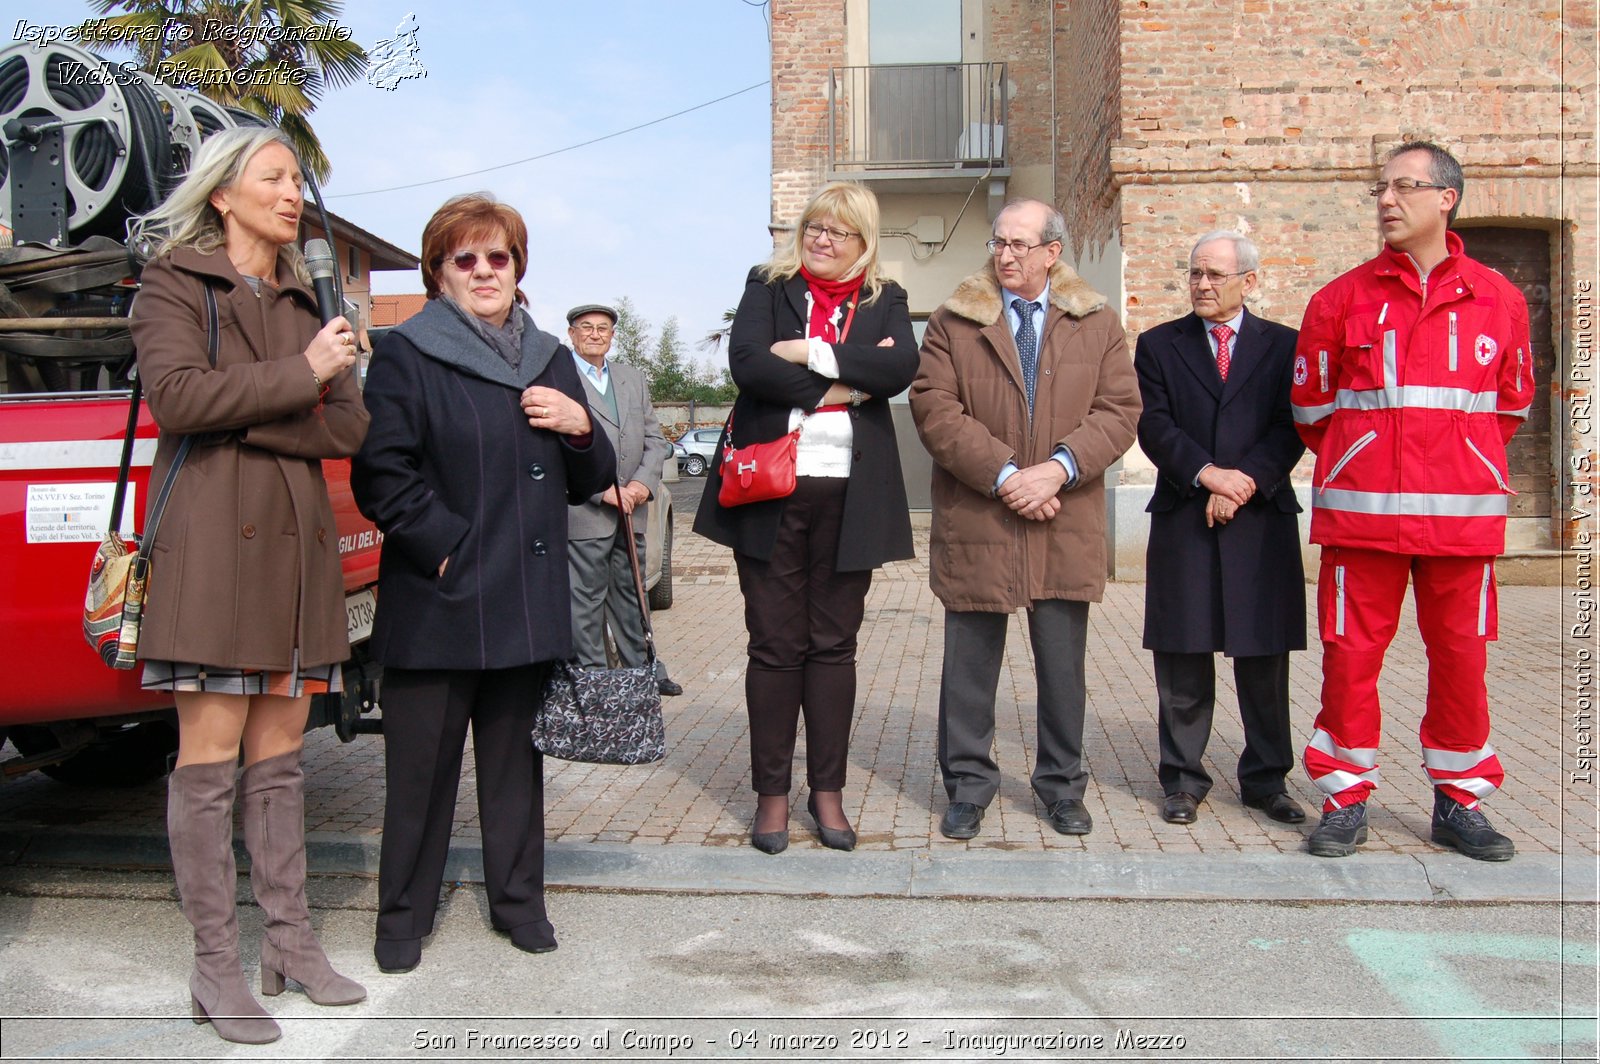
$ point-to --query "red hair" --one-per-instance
(470, 219)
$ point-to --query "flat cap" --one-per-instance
(591, 308)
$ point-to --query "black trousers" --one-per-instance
(802, 616)
(974, 644)
(426, 714)
(1186, 690)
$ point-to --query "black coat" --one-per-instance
(1238, 588)
(877, 524)
(451, 468)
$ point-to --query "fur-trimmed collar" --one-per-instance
(978, 297)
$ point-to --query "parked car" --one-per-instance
(700, 446)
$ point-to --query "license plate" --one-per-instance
(358, 610)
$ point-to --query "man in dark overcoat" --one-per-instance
(1223, 569)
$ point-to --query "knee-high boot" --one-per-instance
(273, 795)
(200, 833)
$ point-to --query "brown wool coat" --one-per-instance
(972, 414)
(246, 561)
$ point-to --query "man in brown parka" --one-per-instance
(1025, 396)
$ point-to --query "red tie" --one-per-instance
(1224, 356)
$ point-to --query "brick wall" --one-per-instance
(1088, 87)
(808, 37)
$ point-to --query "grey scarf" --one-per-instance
(506, 339)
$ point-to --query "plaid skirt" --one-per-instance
(294, 683)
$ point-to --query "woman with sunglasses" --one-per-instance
(480, 439)
(821, 341)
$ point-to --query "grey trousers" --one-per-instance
(974, 644)
(603, 592)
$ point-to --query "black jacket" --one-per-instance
(877, 524)
(1238, 588)
(451, 468)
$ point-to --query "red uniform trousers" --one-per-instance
(1359, 593)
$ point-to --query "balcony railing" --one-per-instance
(940, 116)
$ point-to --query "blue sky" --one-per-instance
(672, 216)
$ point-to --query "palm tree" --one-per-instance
(713, 340)
(253, 40)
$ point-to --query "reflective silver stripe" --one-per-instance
(1411, 504)
(1476, 786)
(1360, 756)
(1452, 341)
(1483, 614)
(1355, 449)
(1322, 368)
(1455, 760)
(1338, 780)
(1523, 413)
(72, 454)
(1338, 611)
(1391, 373)
(1417, 397)
(1498, 479)
(1310, 415)
(1519, 369)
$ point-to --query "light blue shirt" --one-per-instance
(1014, 321)
(599, 376)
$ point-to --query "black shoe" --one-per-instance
(1467, 831)
(1070, 817)
(1180, 808)
(668, 687)
(961, 820)
(769, 841)
(396, 956)
(1340, 832)
(1279, 807)
(536, 936)
(832, 838)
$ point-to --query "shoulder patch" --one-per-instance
(1484, 349)
(1302, 371)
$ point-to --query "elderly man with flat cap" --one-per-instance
(602, 577)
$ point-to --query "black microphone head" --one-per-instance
(319, 258)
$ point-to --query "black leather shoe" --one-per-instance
(396, 956)
(1070, 817)
(1180, 808)
(832, 838)
(668, 687)
(961, 820)
(1279, 807)
(537, 936)
(1340, 832)
(1467, 831)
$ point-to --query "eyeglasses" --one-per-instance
(1217, 279)
(814, 231)
(467, 261)
(1401, 185)
(587, 327)
(1017, 248)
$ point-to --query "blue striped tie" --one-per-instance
(1027, 345)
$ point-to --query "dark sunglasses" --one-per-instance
(465, 261)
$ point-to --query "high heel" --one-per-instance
(200, 834)
(833, 838)
(273, 792)
(769, 841)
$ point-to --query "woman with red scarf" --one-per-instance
(821, 342)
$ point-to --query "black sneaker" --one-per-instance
(1467, 831)
(1340, 832)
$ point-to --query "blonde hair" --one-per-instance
(186, 219)
(853, 205)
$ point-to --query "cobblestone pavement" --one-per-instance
(700, 796)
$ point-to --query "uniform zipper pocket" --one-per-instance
(1338, 602)
(1519, 369)
(1483, 599)
(1355, 449)
(1452, 341)
(1498, 479)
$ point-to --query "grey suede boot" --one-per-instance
(272, 792)
(200, 833)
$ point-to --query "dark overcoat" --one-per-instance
(452, 469)
(1240, 587)
(876, 526)
(245, 567)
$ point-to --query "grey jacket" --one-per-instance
(641, 447)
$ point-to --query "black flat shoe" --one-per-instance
(396, 956)
(536, 936)
(832, 838)
(669, 688)
(961, 820)
(1279, 807)
(1180, 808)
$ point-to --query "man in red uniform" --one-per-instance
(1411, 373)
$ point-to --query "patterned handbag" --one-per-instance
(605, 716)
(119, 576)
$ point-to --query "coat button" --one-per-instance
(536, 471)
(249, 531)
(856, 455)
(322, 534)
(540, 548)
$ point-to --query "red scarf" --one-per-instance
(826, 297)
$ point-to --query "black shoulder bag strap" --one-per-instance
(638, 579)
(147, 541)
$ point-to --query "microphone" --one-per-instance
(319, 261)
